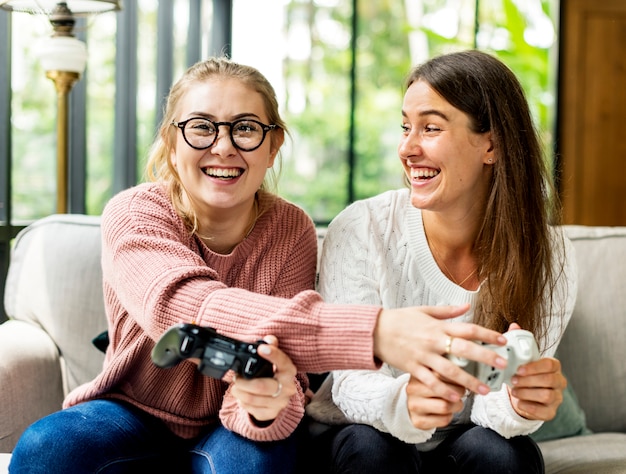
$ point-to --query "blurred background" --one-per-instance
(338, 67)
(339, 74)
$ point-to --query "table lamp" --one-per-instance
(63, 57)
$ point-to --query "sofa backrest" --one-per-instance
(55, 281)
(593, 349)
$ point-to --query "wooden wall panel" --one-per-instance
(592, 111)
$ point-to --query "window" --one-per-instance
(340, 92)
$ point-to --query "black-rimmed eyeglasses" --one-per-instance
(245, 134)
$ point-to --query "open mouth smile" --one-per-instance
(223, 173)
(424, 174)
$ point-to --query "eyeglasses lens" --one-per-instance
(246, 134)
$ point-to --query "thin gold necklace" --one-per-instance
(438, 259)
(253, 218)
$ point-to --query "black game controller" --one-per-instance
(217, 353)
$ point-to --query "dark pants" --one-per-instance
(362, 449)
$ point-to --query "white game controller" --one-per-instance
(520, 349)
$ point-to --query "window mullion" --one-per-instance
(125, 146)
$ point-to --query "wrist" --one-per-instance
(378, 338)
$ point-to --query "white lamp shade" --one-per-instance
(63, 53)
(78, 7)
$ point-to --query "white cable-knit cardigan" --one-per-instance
(375, 252)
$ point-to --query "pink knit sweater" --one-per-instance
(156, 274)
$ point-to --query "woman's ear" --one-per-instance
(277, 141)
(490, 156)
(169, 140)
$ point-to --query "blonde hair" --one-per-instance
(159, 167)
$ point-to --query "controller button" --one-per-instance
(186, 344)
(250, 365)
(218, 359)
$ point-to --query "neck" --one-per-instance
(452, 247)
(223, 235)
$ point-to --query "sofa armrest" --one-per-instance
(30, 379)
(592, 350)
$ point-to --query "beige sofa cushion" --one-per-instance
(61, 295)
(602, 453)
(593, 349)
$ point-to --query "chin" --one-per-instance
(418, 200)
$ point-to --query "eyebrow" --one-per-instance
(425, 113)
(235, 117)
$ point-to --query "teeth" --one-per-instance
(223, 173)
(425, 173)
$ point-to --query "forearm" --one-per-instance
(378, 399)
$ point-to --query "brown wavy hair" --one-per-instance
(159, 167)
(519, 262)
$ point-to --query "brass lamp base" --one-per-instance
(63, 82)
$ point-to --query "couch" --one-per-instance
(53, 298)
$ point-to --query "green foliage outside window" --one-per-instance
(316, 93)
(384, 57)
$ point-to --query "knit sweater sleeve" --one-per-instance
(161, 278)
(351, 271)
(351, 253)
(379, 399)
(494, 410)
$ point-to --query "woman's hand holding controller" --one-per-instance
(426, 409)
(417, 340)
(537, 387)
(263, 398)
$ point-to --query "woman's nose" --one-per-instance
(409, 145)
(223, 143)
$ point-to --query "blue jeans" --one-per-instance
(364, 450)
(108, 436)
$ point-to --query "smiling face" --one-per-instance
(223, 178)
(446, 163)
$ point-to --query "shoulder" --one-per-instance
(379, 211)
(385, 201)
(563, 289)
(563, 252)
(144, 196)
(145, 205)
(564, 259)
(286, 218)
(281, 206)
(368, 226)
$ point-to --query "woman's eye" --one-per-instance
(405, 128)
(432, 128)
(246, 127)
(202, 126)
